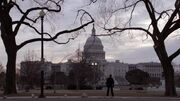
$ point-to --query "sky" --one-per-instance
(127, 47)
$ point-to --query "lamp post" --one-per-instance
(42, 14)
(94, 64)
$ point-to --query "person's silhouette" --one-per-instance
(110, 85)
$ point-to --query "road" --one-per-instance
(92, 99)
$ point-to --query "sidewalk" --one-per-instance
(89, 97)
(98, 94)
(89, 93)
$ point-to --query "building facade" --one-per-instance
(118, 70)
(152, 68)
(35, 66)
(94, 55)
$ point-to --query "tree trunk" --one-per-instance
(9, 41)
(11, 50)
(170, 89)
(10, 87)
(168, 70)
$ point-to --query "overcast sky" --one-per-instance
(129, 48)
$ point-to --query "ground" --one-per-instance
(90, 95)
(96, 99)
(134, 93)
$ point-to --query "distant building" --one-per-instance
(27, 66)
(55, 67)
(118, 71)
(94, 50)
(36, 67)
(154, 69)
(132, 66)
(94, 55)
(176, 67)
(66, 67)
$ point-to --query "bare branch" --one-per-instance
(69, 39)
(35, 9)
(92, 1)
(22, 12)
(27, 24)
(115, 29)
(127, 6)
(151, 12)
(131, 14)
(84, 13)
(174, 27)
(64, 42)
(17, 6)
(164, 12)
(170, 21)
(174, 55)
(34, 28)
(56, 36)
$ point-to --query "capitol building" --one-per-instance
(95, 56)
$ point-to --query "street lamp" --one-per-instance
(42, 14)
(94, 64)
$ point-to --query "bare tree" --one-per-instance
(81, 75)
(10, 29)
(158, 33)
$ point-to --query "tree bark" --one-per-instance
(10, 87)
(11, 49)
(168, 70)
(170, 89)
(8, 38)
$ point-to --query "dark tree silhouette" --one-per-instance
(58, 78)
(2, 76)
(30, 70)
(30, 73)
(155, 81)
(157, 33)
(177, 79)
(80, 75)
(10, 29)
(137, 77)
(1, 68)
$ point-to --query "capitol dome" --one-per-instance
(93, 43)
(93, 48)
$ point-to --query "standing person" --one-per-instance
(110, 85)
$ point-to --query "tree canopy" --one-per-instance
(137, 77)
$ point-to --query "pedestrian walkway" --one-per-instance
(89, 97)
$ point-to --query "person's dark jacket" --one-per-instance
(110, 82)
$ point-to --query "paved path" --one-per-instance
(92, 98)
